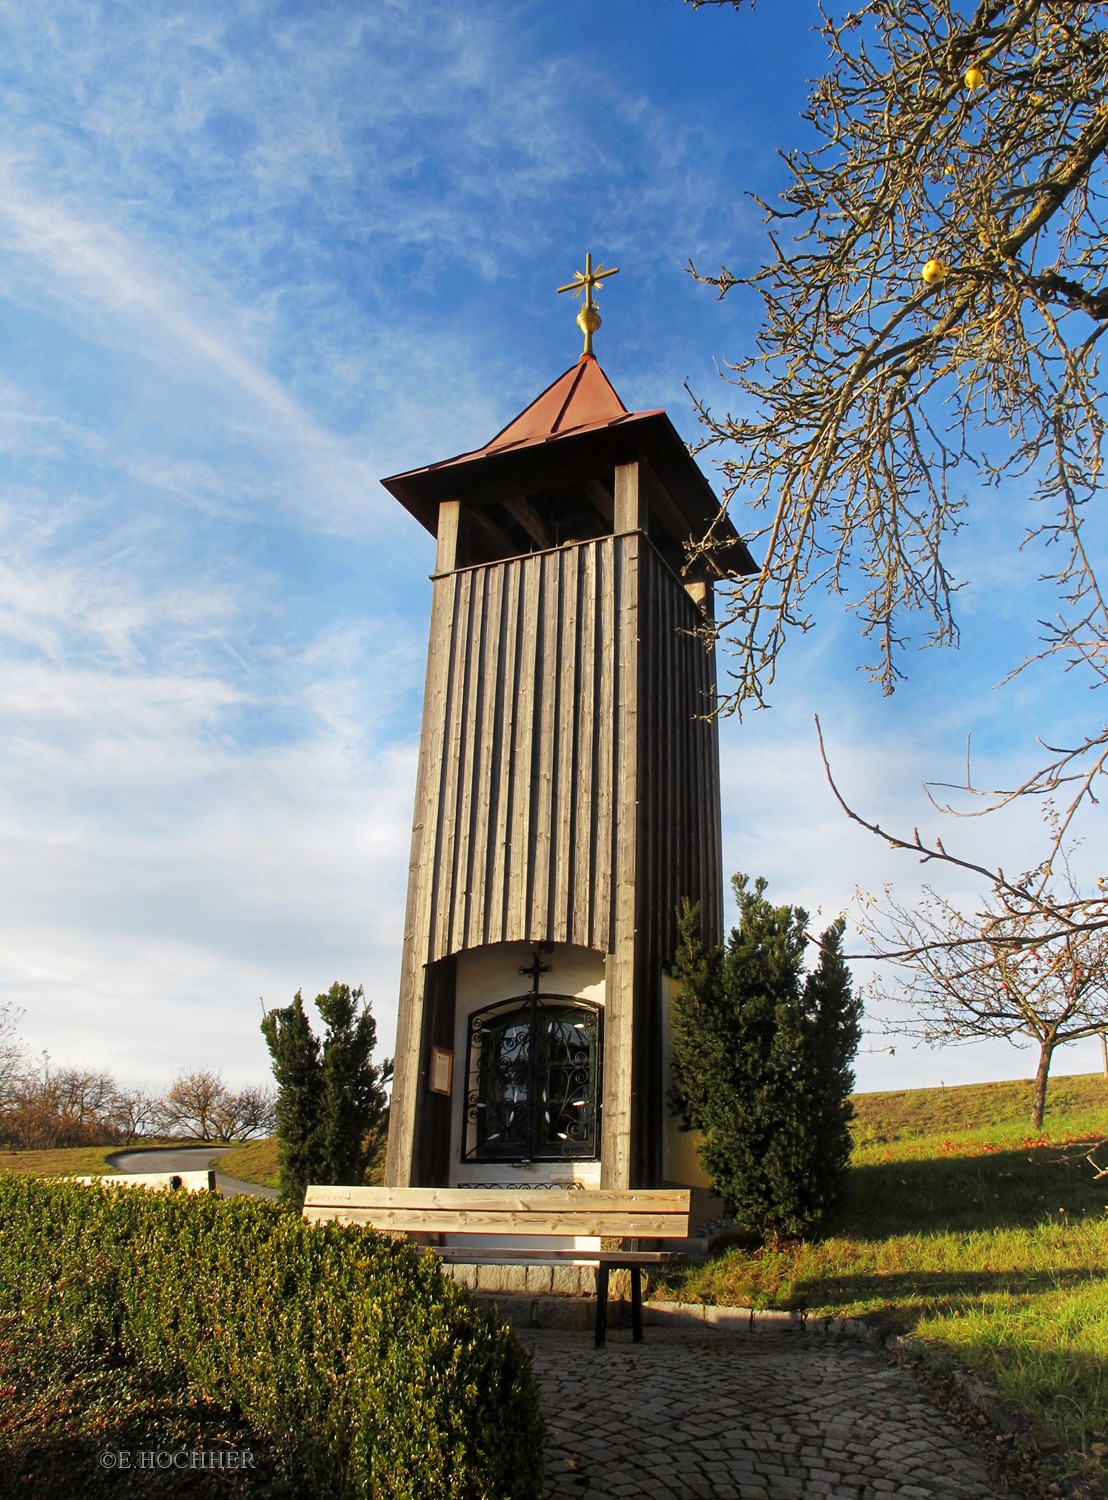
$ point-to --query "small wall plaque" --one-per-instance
(442, 1070)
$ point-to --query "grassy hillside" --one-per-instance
(256, 1161)
(1076, 1103)
(989, 1246)
(75, 1161)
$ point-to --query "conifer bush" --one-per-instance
(332, 1103)
(762, 1060)
(368, 1369)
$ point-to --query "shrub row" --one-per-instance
(371, 1371)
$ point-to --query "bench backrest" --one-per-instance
(189, 1182)
(654, 1213)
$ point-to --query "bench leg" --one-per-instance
(636, 1304)
(601, 1305)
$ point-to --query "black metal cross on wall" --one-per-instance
(535, 969)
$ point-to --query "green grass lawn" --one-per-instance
(984, 1240)
(255, 1161)
(73, 1161)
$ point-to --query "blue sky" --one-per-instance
(253, 258)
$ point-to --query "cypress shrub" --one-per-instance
(332, 1103)
(365, 1366)
(762, 1061)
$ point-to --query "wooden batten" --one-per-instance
(448, 537)
(415, 1221)
(627, 515)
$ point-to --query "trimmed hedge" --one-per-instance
(370, 1370)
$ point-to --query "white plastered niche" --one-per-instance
(484, 976)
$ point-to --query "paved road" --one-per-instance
(692, 1415)
(188, 1159)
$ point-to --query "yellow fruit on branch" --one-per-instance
(933, 272)
(973, 79)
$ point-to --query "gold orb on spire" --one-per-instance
(588, 319)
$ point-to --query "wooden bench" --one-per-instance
(489, 1213)
(189, 1182)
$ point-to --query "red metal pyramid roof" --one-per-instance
(582, 397)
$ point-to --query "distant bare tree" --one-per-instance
(56, 1107)
(1030, 960)
(245, 1115)
(83, 1096)
(12, 1056)
(134, 1113)
(191, 1105)
(990, 974)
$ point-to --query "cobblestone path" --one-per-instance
(692, 1415)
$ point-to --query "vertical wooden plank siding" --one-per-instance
(568, 792)
(566, 749)
(624, 970)
(547, 808)
(551, 734)
(603, 644)
(680, 842)
(506, 579)
(470, 811)
(580, 917)
(528, 657)
(485, 769)
(518, 772)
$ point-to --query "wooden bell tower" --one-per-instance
(567, 796)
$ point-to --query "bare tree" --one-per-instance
(12, 1056)
(1031, 960)
(52, 1107)
(134, 1113)
(932, 314)
(83, 1096)
(250, 1113)
(991, 974)
(192, 1104)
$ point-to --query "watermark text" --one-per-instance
(176, 1458)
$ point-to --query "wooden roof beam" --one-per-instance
(524, 513)
(485, 529)
(601, 497)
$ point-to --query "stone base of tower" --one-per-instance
(541, 1281)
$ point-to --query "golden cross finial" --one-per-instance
(588, 319)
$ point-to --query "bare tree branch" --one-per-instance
(932, 309)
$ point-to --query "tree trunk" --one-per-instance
(1104, 1050)
(1042, 1073)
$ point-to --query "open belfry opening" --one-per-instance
(567, 795)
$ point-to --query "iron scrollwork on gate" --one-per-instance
(533, 1085)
